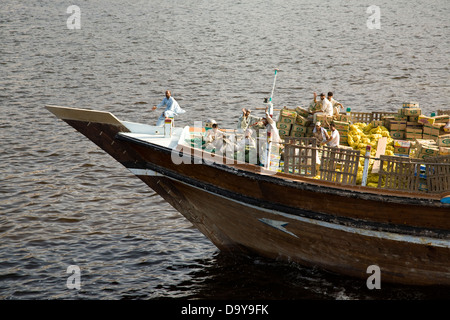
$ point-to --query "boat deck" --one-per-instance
(153, 134)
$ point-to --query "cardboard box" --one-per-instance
(397, 134)
(401, 150)
(426, 141)
(443, 141)
(287, 120)
(286, 113)
(344, 118)
(324, 118)
(402, 143)
(302, 121)
(442, 119)
(412, 136)
(298, 128)
(412, 112)
(377, 123)
(414, 130)
(341, 126)
(298, 134)
(426, 136)
(437, 129)
(427, 128)
(413, 118)
(429, 149)
(283, 133)
(284, 126)
(395, 125)
(302, 112)
(407, 105)
(444, 151)
(426, 120)
(315, 106)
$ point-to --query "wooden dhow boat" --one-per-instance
(328, 223)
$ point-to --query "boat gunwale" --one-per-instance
(311, 184)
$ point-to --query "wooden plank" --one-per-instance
(66, 113)
(381, 149)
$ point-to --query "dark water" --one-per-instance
(65, 202)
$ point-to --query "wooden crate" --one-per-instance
(368, 117)
(339, 165)
(300, 156)
(361, 117)
(379, 115)
(442, 112)
(399, 173)
(438, 174)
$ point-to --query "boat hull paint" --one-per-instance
(344, 230)
(235, 226)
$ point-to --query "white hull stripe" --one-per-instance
(145, 172)
(363, 232)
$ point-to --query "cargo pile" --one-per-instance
(409, 133)
(427, 136)
(295, 123)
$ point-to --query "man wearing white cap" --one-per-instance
(320, 133)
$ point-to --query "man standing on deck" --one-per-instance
(172, 108)
(247, 120)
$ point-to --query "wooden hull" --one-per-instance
(314, 223)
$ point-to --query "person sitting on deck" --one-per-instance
(214, 139)
(172, 108)
(334, 140)
(335, 104)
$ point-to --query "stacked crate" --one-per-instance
(343, 128)
(286, 120)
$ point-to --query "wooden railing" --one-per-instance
(369, 116)
(340, 165)
(443, 112)
(300, 156)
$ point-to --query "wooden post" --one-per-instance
(366, 166)
(381, 149)
(269, 146)
(168, 127)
